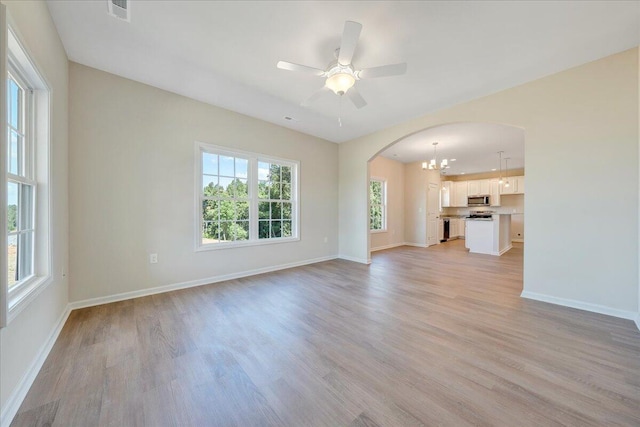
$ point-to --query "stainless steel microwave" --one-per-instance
(478, 201)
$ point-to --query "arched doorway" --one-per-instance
(465, 157)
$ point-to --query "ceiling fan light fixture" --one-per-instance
(340, 83)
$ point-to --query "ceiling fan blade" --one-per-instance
(284, 65)
(383, 71)
(313, 98)
(350, 37)
(356, 98)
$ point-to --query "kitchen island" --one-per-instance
(490, 236)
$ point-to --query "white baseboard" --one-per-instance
(20, 392)
(580, 305)
(192, 283)
(417, 245)
(505, 250)
(354, 259)
(392, 245)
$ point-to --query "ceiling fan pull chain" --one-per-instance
(340, 111)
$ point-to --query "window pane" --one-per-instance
(226, 166)
(210, 185)
(241, 230)
(264, 212)
(210, 232)
(263, 189)
(209, 164)
(226, 231)
(210, 210)
(26, 207)
(376, 218)
(276, 210)
(242, 166)
(14, 103)
(12, 260)
(286, 174)
(14, 153)
(274, 191)
(25, 255)
(263, 229)
(276, 228)
(238, 188)
(242, 210)
(263, 171)
(286, 229)
(286, 211)
(286, 191)
(12, 206)
(225, 183)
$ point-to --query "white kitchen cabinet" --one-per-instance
(440, 230)
(473, 188)
(516, 185)
(494, 192)
(478, 187)
(461, 194)
(462, 228)
(512, 188)
(453, 228)
(520, 185)
(446, 194)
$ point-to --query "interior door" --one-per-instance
(433, 214)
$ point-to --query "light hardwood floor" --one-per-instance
(421, 337)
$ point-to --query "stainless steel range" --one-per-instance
(481, 215)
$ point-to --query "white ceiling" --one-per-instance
(475, 147)
(225, 52)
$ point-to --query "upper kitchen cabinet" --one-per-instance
(461, 194)
(446, 194)
(516, 185)
(520, 180)
(494, 192)
(479, 187)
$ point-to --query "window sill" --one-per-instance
(244, 244)
(378, 231)
(25, 294)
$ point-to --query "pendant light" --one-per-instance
(506, 171)
(500, 166)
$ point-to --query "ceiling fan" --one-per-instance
(340, 74)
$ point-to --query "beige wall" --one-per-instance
(569, 119)
(25, 337)
(393, 173)
(415, 208)
(132, 187)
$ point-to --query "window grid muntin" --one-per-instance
(24, 178)
(382, 206)
(253, 190)
(234, 198)
(277, 225)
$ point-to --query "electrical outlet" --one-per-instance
(153, 258)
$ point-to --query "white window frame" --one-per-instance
(252, 182)
(37, 148)
(384, 204)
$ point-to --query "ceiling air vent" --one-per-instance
(119, 9)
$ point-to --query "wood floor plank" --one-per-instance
(420, 337)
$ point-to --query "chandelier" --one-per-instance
(433, 163)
